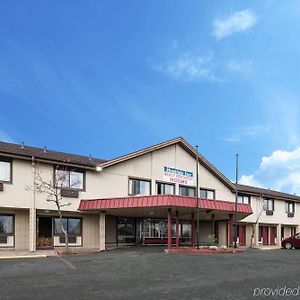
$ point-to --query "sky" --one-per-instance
(109, 77)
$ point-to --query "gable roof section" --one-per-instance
(182, 142)
(267, 193)
(26, 152)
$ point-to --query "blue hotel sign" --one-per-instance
(178, 176)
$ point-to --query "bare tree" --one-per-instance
(259, 211)
(52, 189)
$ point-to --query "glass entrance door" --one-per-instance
(44, 233)
(155, 231)
(126, 231)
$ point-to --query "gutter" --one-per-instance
(49, 161)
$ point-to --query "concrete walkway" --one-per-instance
(273, 247)
(12, 254)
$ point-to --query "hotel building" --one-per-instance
(145, 197)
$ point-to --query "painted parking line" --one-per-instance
(68, 263)
(22, 256)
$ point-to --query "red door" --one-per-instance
(242, 235)
(296, 240)
(265, 235)
(272, 235)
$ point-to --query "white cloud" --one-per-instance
(4, 137)
(279, 171)
(242, 68)
(249, 180)
(251, 132)
(237, 22)
(281, 108)
(190, 66)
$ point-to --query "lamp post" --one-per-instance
(197, 197)
(236, 198)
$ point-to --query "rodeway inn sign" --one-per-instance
(178, 176)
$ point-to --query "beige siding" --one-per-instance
(222, 233)
(90, 231)
(248, 234)
(279, 216)
(22, 230)
(205, 231)
(113, 181)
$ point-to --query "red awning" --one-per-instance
(162, 200)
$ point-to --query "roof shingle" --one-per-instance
(48, 155)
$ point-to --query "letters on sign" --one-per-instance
(178, 176)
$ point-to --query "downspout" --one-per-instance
(197, 197)
(33, 207)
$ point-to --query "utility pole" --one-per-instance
(197, 197)
(236, 198)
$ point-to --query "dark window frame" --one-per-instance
(267, 207)
(243, 196)
(69, 235)
(165, 183)
(187, 187)
(139, 179)
(10, 161)
(207, 190)
(13, 216)
(69, 170)
(287, 207)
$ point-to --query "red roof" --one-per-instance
(162, 200)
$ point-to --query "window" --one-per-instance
(268, 204)
(289, 207)
(260, 233)
(5, 171)
(72, 225)
(244, 199)
(139, 187)
(71, 179)
(165, 189)
(126, 230)
(208, 194)
(187, 191)
(6, 225)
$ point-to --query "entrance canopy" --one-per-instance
(163, 201)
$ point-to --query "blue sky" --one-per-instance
(110, 77)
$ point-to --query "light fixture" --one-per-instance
(99, 168)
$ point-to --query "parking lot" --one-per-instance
(148, 273)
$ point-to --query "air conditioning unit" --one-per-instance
(1, 187)
(290, 215)
(269, 212)
(70, 193)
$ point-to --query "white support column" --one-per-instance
(256, 234)
(32, 229)
(102, 231)
(278, 235)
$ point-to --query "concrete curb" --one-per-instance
(23, 256)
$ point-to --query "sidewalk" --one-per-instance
(12, 254)
(274, 247)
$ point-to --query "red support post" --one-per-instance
(177, 229)
(213, 224)
(230, 229)
(169, 229)
(193, 230)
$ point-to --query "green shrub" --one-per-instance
(211, 240)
